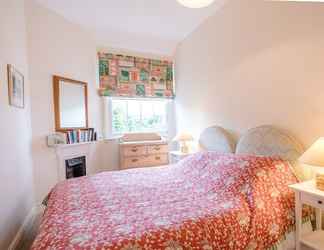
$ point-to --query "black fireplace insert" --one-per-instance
(75, 167)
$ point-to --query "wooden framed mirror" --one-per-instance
(70, 104)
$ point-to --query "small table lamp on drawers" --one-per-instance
(183, 138)
(314, 157)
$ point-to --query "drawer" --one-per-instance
(158, 149)
(134, 150)
(134, 162)
(158, 159)
(312, 201)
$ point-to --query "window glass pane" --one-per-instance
(159, 108)
(139, 116)
(119, 115)
(160, 112)
(147, 109)
(148, 116)
(134, 116)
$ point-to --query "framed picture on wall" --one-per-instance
(15, 87)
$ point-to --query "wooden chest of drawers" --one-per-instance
(143, 154)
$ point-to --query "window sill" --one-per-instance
(113, 138)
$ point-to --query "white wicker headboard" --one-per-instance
(216, 139)
(263, 141)
(269, 141)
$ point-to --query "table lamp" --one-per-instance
(183, 138)
(314, 157)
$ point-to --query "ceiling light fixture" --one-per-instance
(195, 4)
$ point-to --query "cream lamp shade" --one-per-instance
(195, 4)
(183, 138)
(314, 156)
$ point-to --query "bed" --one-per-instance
(211, 200)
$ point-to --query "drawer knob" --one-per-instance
(157, 148)
(135, 160)
(157, 158)
(134, 150)
(320, 202)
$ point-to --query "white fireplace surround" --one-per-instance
(70, 151)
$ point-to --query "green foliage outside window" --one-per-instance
(118, 121)
(124, 123)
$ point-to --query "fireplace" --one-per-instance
(75, 160)
(75, 167)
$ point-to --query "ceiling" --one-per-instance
(147, 26)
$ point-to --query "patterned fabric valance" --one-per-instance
(129, 76)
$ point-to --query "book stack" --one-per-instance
(320, 181)
(81, 135)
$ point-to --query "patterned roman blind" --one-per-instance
(129, 76)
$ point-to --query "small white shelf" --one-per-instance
(114, 138)
(315, 240)
(74, 144)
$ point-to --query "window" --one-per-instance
(139, 115)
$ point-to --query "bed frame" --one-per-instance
(262, 141)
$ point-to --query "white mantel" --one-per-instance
(69, 151)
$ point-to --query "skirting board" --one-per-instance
(25, 227)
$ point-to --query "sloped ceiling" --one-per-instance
(148, 26)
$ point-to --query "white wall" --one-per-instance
(56, 46)
(16, 185)
(254, 63)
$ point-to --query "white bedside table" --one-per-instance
(176, 156)
(307, 193)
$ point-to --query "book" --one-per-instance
(80, 135)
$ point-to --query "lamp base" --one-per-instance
(319, 179)
(184, 149)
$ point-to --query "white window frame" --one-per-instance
(108, 131)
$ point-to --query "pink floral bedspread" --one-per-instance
(207, 201)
